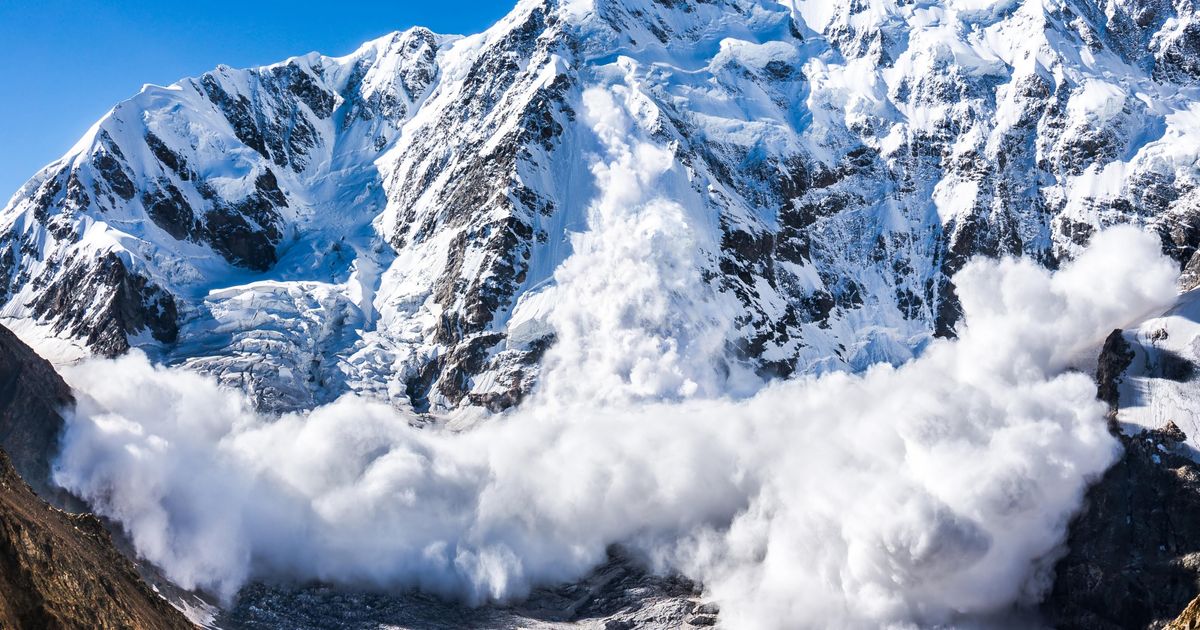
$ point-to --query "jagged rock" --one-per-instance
(32, 397)
(1134, 551)
(103, 303)
(60, 570)
(1115, 357)
(1189, 619)
(619, 594)
(1133, 558)
(1172, 433)
(57, 570)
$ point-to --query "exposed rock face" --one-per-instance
(1189, 619)
(102, 302)
(384, 222)
(616, 596)
(1134, 551)
(32, 396)
(1115, 357)
(60, 570)
(57, 570)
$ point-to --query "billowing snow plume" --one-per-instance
(907, 493)
(632, 316)
(916, 493)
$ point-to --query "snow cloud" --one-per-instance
(633, 318)
(911, 494)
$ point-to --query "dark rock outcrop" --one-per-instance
(61, 570)
(1134, 559)
(32, 395)
(57, 570)
(1134, 550)
(1189, 619)
(1115, 357)
(103, 303)
(618, 595)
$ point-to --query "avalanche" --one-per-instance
(392, 223)
(688, 273)
(932, 493)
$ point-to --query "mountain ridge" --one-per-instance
(389, 222)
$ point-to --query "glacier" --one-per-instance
(718, 240)
(391, 222)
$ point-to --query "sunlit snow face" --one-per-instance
(909, 494)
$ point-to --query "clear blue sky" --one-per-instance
(66, 62)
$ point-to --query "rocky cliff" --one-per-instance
(32, 397)
(1133, 558)
(1134, 552)
(57, 570)
(394, 222)
(61, 570)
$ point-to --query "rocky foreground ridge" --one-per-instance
(62, 570)
(57, 569)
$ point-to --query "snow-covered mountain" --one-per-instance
(395, 222)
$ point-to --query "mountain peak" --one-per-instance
(391, 222)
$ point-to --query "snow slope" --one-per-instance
(1158, 387)
(408, 221)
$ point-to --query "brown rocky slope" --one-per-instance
(31, 395)
(57, 570)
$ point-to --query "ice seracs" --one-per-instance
(393, 222)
